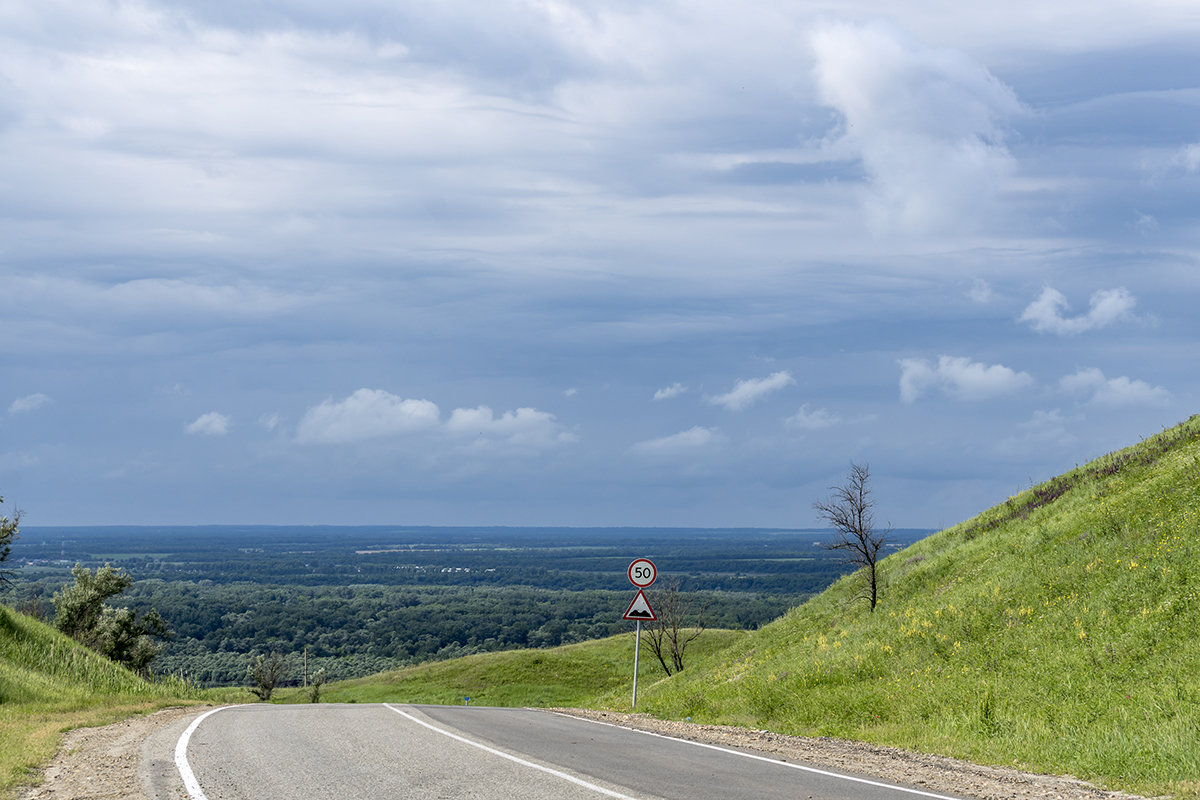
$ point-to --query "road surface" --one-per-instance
(378, 752)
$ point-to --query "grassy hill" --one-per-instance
(1058, 630)
(570, 675)
(50, 684)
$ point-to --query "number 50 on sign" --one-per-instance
(642, 573)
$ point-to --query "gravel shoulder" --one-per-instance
(108, 763)
(932, 773)
(104, 763)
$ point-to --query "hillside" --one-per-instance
(49, 684)
(1056, 630)
(569, 675)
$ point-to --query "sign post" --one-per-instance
(642, 573)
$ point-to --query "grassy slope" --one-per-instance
(1057, 630)
(50, 684)
(571, 675)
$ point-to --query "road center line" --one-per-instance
(510, 757)
(769, 760)
(181, 762)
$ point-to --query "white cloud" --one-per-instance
(366, 414)
(927, 123)
(1189, 158)
(1091, 384)
(525, 427)
(28, 403)
(1107, 306)
(960, 378)
(747, 392)
(980, 292)
(666, 393)
(813, 420)
(270, 421)
(692, 440)
(211, 424)
(370, 414)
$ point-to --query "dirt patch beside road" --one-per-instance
(102, 763)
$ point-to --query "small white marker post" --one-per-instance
(641, 573)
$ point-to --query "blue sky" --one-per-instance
(594, 263)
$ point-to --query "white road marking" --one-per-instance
(510, 757)
(181, 763)
(776, 761)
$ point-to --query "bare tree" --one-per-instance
(849, 511)
(669, 635)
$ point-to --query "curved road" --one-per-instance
(373, 752)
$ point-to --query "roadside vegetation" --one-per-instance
(1056, 631)
(49, 684)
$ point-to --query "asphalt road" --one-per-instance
(373, 752)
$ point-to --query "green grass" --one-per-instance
(571, 675)
(1057, 631)
(50, 684)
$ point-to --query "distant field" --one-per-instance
(359, 600)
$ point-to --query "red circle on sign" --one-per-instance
(642, 573)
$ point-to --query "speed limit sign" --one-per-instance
(642, 573)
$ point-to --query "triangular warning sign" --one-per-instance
(639, 609)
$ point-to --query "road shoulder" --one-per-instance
(107, 763)
(933, 773)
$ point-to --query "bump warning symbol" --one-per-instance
(639, 610)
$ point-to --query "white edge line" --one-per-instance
(181, 762)
(756, 757)
(510, 757)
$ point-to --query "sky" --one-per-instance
(531, 262)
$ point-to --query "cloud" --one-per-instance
(210, 424)
(746, 392)
(812, 420)
(927, 122)
(666, 393)
(689, 441)
(1092, 385)
(367, 414)
(980, 292)
(371, 414)
(525, 427)
(1189, 158)
(1106, 307)
(960, 378)
(28, 403)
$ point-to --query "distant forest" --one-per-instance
(358, 600)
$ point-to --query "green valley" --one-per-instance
(1055, 632)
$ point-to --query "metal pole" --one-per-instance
(637, 647)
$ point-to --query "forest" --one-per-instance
(357, 600)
